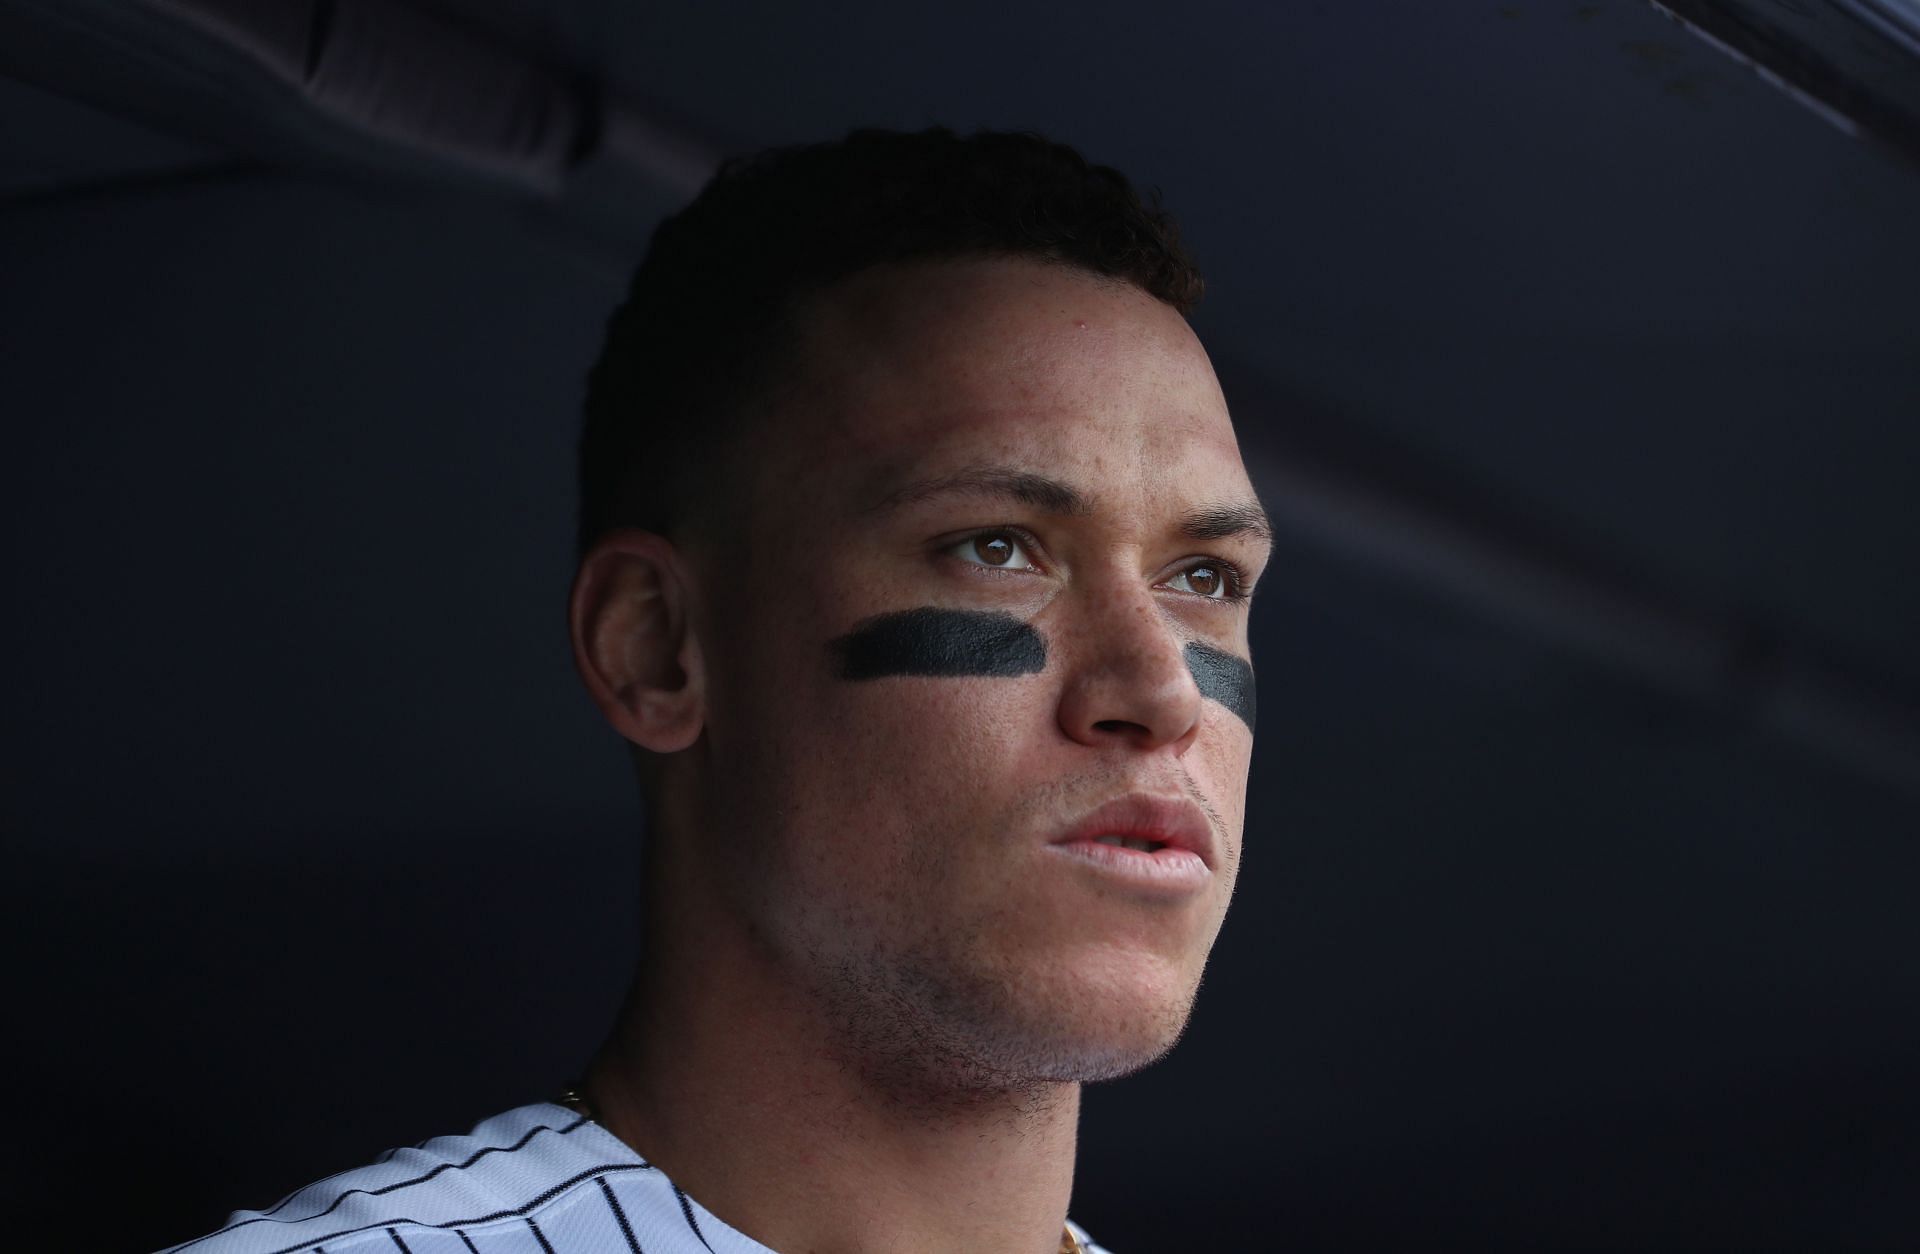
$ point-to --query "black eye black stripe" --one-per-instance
(990, 644)
(1224, 678)
(940, 642)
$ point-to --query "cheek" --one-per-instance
(936, 736)
(902, 719)
(936, 699)
(1223, 678)
(1219, 764)
(931, 642)
(897, 796)
(908, 775)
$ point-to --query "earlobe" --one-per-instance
(633, 641)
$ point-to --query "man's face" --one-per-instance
(885, 780)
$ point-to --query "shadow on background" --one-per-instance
(315, 847)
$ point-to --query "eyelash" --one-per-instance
(1237, 582)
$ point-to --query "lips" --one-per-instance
(1146, 825)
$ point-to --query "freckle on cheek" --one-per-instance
(939, 642)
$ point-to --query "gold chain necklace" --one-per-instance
(575, 1098)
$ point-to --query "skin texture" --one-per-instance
(871, 989)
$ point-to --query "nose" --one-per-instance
(1126, 680)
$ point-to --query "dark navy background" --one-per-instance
(1579, 366)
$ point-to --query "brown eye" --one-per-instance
(1003, 549)
(1211, 582)
(995, 550)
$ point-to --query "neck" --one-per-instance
(725, 1075)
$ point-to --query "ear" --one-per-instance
(632, 643)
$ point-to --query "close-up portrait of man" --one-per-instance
(915, 561)
(633, 626)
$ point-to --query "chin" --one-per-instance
(1090, 1030)
(930, 1023)
(1091, 1061)
(1119, 1044)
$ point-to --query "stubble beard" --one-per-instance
(932, 1018)
(926, 1017)
(928, 1032)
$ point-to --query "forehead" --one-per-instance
(902, 369)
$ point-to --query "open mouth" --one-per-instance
(1131, 842)
(1147, 840)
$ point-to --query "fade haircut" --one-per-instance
(699, 336)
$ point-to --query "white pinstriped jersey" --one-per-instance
(536, 1180)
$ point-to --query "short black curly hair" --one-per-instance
(703, 319)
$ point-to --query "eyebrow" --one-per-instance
(1004, 482)
(1221, 522)
(1049, 495)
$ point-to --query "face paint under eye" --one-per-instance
(1224, 678)
(940, 642)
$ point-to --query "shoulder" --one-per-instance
(536, 1180)
(497, 1183)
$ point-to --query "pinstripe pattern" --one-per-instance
(537, 1180)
